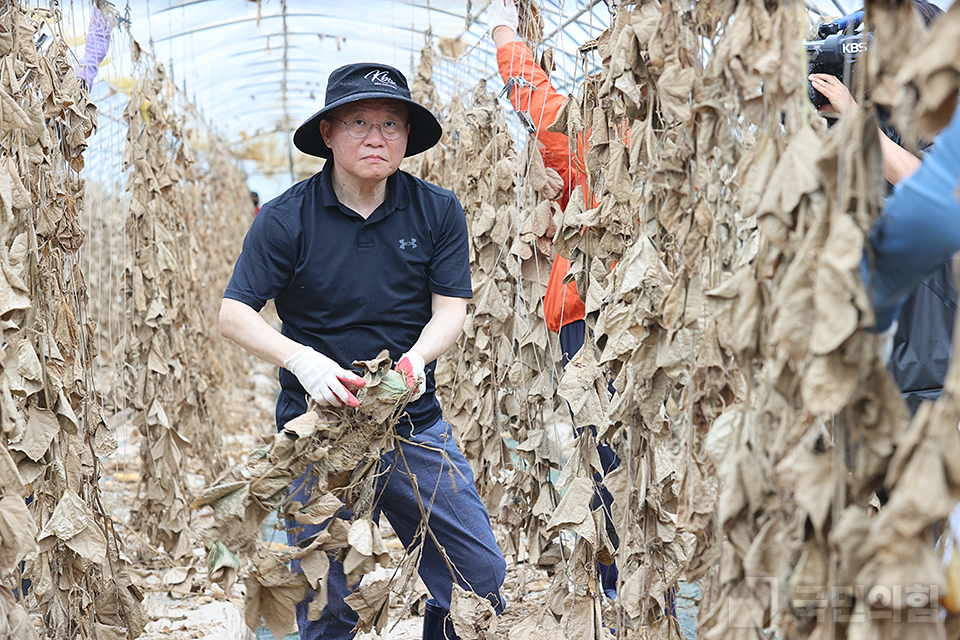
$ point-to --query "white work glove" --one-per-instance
(325, 380)
(411, 365)
(502, 13)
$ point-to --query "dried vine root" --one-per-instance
(334, 451)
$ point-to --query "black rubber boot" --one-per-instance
(437, 624)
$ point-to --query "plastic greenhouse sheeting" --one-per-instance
(258, 69)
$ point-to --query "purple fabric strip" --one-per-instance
(98, 41)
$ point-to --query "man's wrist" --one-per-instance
(415, 355)
(299, 351)
(298, 354)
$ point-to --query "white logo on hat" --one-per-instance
(381, 77)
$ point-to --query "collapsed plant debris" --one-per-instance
(335, 453)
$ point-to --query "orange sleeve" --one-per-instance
(515, 60)
(561, 303)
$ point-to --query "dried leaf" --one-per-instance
(316, 567)
(584, 386)
(366, 549)
(73, 523)
(575, 511)
(42, 428)
(320, 509)
(222, 565)
(273, 592)
(473, 617)
(9, 476)
(18, 532)
(371, 602)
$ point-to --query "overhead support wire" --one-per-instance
(283, 94)
(428, 7)
(573, 18)
(236, 21)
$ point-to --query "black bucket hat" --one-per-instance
(365, 81)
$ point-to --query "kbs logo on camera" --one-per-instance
(853, 48)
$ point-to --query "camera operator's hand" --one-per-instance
(898, 163)
(834, 91)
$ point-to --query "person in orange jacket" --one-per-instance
(533, 94)
(564, 311)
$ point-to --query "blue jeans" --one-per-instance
(457, 518)
(572, 337)
(571, 341)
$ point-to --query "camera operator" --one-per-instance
(910, 276)
(918, 231)
(923, 315)
(898, 163)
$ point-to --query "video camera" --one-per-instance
(835, 49)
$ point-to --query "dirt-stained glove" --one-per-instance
(502, 13)
(325, 380)
(411, 365)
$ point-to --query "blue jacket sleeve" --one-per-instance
(918, 229)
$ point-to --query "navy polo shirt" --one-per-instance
(350, 287)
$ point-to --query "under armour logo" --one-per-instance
(381, 77)
(412, 243)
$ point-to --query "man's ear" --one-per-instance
(325, 131)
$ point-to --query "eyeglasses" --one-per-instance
(359, 128)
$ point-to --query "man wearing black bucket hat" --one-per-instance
(358, 258)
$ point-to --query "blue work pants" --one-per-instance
(571, 341)
(457, 518)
